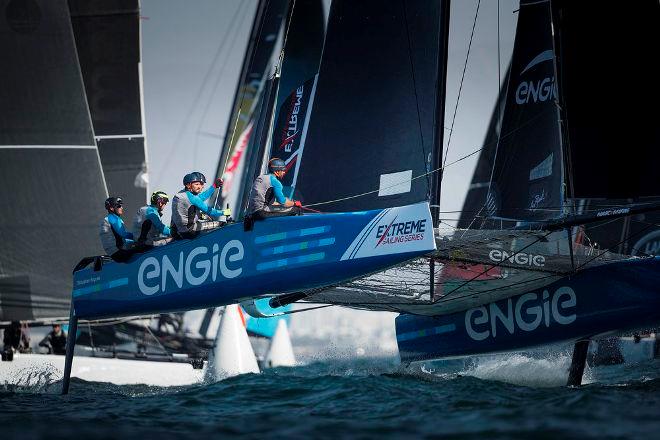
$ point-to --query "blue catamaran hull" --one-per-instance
(618, 296)
(286, 254)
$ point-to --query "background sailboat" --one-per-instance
(530, 184)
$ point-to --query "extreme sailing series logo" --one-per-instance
(291, 130)
(401, 232)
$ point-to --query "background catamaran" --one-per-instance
(522, 273)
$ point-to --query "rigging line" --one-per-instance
(157, 340)
(540, 278)
(511, 133)
(218, 76)
(460, 88)
(493, 266)
(412, 72)
(253, 56)
(182, 127)
(615, 245)
(398, 183)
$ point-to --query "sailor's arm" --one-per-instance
(198, 202)
(119, 228)
(279, 193)
(157, 223)
(208, 192)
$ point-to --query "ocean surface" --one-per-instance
(505, 396)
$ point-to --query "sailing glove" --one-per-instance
(218, 183)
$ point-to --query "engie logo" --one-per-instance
(517, 258)
(400, 232)
(527, 313)
(194, 268)
(536, 90)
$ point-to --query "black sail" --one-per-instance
(302, 51)
(108, 43)
(305, 33)
(608, 80)
(528, 171)
(373, 124)
(474, 209)
(50, 175)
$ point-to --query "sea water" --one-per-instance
(505, 396)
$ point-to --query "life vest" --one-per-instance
(184, 214)
(110, 239)
(144, 228)
(262, 194)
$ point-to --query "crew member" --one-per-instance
(16, 338)
(148, 226)
(189, 206)
(116, 240)
(55, 341)
(267, 198)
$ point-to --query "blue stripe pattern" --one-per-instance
(298, 246)
(447, 328)
(291, 261)
(291, 234)
(98, 287)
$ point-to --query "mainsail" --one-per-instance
(374, 122)
(50, 174)
(109, 50)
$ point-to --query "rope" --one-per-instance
(182, 128)
(460, 88)
(157, 340)
(398, 183)
(412, 73)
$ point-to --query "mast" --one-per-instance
(257, 26)
(436, 160)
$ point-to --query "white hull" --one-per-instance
(41, 369)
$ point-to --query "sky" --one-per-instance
(192, 53)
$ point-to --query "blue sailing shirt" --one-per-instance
(118, 226)
(200, 201)
(277, 189)
(153, 215)
(114, 235)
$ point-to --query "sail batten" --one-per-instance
(109, 49)
(50, 173)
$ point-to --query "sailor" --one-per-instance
(16, 338)
(55, 341)
(147, 225)
(267, 198)
(189, 209)
(116, 240)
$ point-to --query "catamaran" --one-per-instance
(520, 279)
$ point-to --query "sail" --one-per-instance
(527, 175)
(50, 174)
(302, 54)
(108, 44)
(613, 140)
(239, 141)
(372, 128)
(474, 208)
